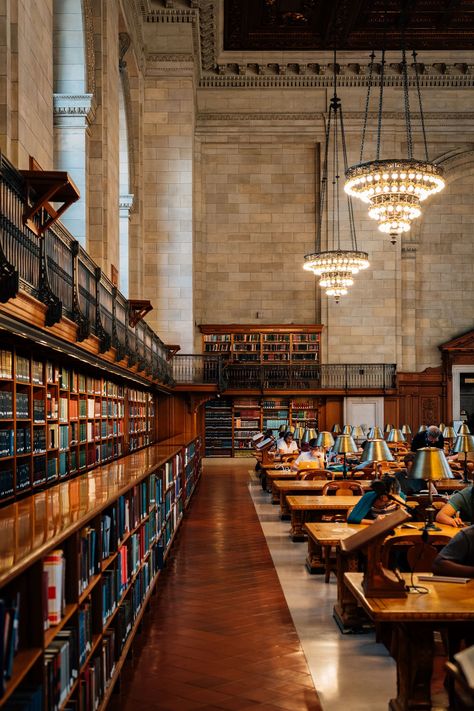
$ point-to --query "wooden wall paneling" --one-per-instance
(332, 412)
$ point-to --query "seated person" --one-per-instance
(457, 556)
(287, 445)
(431, 437)
(411, 486)
(315, 456)
(459, 510)
(384, 498)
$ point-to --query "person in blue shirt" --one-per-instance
(383, 498)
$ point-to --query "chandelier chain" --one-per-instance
(350, 208)
(367, 102)
(324, 185)
(422, 116)
(407, 104)
(379, 123)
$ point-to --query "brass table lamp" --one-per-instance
(375, 433)
(325, 440)
(376, 450)
(464, 443)
(344, 444)
(430, 463)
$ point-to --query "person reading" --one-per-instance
(287, 445)
(459, 510)
(383, 498)
(315, 457)
(457, 556)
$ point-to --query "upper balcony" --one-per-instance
(213, 371)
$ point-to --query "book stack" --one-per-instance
(61, 667)
(6, 404)
(88, 558)
(6, 364)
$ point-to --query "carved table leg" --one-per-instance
(284, 510)
(297, 521)
(415, 651)
(347, 613)
(275, 495)
(314, 560)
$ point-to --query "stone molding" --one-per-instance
(310, 116)
(73, 109)
(126, 204)
(408, 252)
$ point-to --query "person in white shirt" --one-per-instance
(287, 445)
(315, 455)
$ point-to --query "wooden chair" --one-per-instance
(288, 458)
(419, 554)
(343, 488)
(308, 473)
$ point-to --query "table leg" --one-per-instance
(347, 613)
(275, 496)
(284, 510)
(415, 651)
(314, 560)
(297, 520)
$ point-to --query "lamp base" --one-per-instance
(430, 526)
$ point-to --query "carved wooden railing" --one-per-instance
(193, 369)
(56, 270)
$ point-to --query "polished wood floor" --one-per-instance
(219, 634)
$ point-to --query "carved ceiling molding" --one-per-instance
(203, 14)
(349, 116)
(90, 52)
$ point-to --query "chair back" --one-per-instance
(419, 554)
(307, 473)
(343, 488)
(289, 457)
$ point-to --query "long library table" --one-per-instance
(324, 536)
(305, 508)
(283, 489)
(414, 620)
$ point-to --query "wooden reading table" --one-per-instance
(323, 536)
(304, 508)
(414, 619)
(305, 486)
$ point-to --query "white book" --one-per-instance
(443, 579)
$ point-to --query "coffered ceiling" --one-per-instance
(307, 25)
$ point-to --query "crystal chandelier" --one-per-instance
(335, 267)
(394, 188)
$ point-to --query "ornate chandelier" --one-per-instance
(394, 188)
(335, 267)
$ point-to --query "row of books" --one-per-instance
(61, 664)
(88, 557)
(9, 637)
(6, 404)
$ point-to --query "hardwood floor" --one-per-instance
(219, 634)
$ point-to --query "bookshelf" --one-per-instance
(218, 427)
(246, 422)
(78, 564)
(270, 345)
(58, 419)
(230, 422)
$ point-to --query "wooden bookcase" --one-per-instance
(58, 419)
(272, 344)
(231, 422)
(111, 530)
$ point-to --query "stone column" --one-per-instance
(408, 307)
(72, 117)
(125, 207)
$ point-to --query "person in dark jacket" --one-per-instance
(431, 437)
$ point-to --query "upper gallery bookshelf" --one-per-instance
(59, 418)
(272, 344)
(78, 564)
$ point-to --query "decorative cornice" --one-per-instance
(165, 64)
(349, 116)
(263, 116)
(257, 77)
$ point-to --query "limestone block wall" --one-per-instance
(32, 82)
(168, 145)
(257, 223)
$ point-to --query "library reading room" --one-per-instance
(236, 355)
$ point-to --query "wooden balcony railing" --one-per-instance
(57, 271)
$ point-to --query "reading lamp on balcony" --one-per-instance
(464, 443)
(344, 444)
(376, 450)
(430, 463)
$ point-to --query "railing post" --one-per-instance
(45, 293)
(82, 322)
(102, 335)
